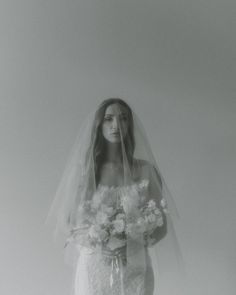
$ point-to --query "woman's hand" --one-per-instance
(118, 251)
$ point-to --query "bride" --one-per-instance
(112, 204)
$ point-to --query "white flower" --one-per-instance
(108, 210)
(151, 204)
(102, 218)
(141, 220)
(119, 226)
(82, 214)
(157, 211)
(163, 203)
(103, 235)
(120, 216)
(144, 183)
(159, 221)
(96, 201)
(152, 218)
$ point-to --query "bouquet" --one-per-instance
(108, 226)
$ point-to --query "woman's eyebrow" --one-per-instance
(112, 115)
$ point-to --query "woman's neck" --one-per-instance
(113, 153)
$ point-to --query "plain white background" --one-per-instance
(174, 61)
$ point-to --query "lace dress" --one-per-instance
(97, 275)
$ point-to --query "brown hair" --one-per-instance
(98, 144)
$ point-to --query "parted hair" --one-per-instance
(98, 143)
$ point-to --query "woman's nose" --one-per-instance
(115, 124)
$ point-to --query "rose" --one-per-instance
(108, 210)
(151, 218)
(120, 216)
(151, 204)
(119, 226)
(96, 201)
(163, 203)
(144, 183)
(159, 221)
(102, 218)
(157, 212)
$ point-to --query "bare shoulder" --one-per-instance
(148, 170)
(143, 167)
(142, 164)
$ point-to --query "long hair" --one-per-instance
(98, 142)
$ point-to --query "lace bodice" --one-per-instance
(118, 196)
(137, 185)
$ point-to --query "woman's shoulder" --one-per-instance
(142, 163)
(142, 167)
(147, 169)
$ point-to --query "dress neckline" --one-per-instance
(140, 184)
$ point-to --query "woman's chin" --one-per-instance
(114, 140)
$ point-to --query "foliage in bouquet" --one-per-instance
(105, 225)
(150, 217)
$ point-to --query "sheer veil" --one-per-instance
(81, 181)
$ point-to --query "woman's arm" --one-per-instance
(155, 193)
(158, 234)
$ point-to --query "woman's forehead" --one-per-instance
(115, 109)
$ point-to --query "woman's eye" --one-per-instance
(107, 119)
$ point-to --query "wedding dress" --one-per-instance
(134, 221)
(96, 275)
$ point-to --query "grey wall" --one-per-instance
(175, 62)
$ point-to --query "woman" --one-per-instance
(111, 200)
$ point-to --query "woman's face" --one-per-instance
(115, 123)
